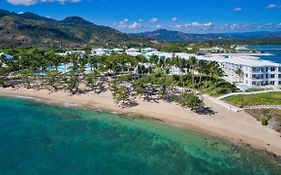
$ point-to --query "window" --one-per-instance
(279, 76)
(254, 76)
(256, 83)
(257, 69)
(272, 75)
(266, 69)
(272, 69)
(257, 76)
(272, 82)
(266, 76)
(279, 82)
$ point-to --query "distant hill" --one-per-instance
(31, 30)
(175, 36)
(28, 29)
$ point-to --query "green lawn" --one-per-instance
(271, 98)
(218, 88)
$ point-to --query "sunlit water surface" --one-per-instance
(36, 138)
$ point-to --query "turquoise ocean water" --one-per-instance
(37, 138)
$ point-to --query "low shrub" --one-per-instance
(264, 122)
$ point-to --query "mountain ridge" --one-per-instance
(177, 36)
(32, 30)
(29, 30)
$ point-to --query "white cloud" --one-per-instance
(273, 6)
(174, 19)
(197, 25)
(178, 26)
(232, 27)
(135, 25)
(193, 26)
(238, 9)
(32, 2)
(158, 27)
(207, 25)
(250, 27)
(124, 24)
(154, 20)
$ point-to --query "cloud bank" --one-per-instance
(32, 2)
(124, 24)
(154, 20)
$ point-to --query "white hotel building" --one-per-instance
(255, 72)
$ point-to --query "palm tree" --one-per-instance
(26, 77)
(193, 63)
(201, 69)
(91, 80)
(72, 77)
(140, 90)
(140, 59)
(120, 94)
(158, 72)
(4, 71)
(53, 78)
(154, 59)
(239, 72)
(215, 71)
(183, 80)
(72, 82)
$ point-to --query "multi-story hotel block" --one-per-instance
(251, 71)
(242, 69)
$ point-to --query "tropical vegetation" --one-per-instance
(127, 77)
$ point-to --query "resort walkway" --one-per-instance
(210, 99)
(222, 103)
(262, 107)
(247, 93)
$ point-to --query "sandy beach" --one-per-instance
(237, 127)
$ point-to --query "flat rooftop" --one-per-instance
(250, 61)
(238, 59)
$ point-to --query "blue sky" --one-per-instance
(196, 16)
